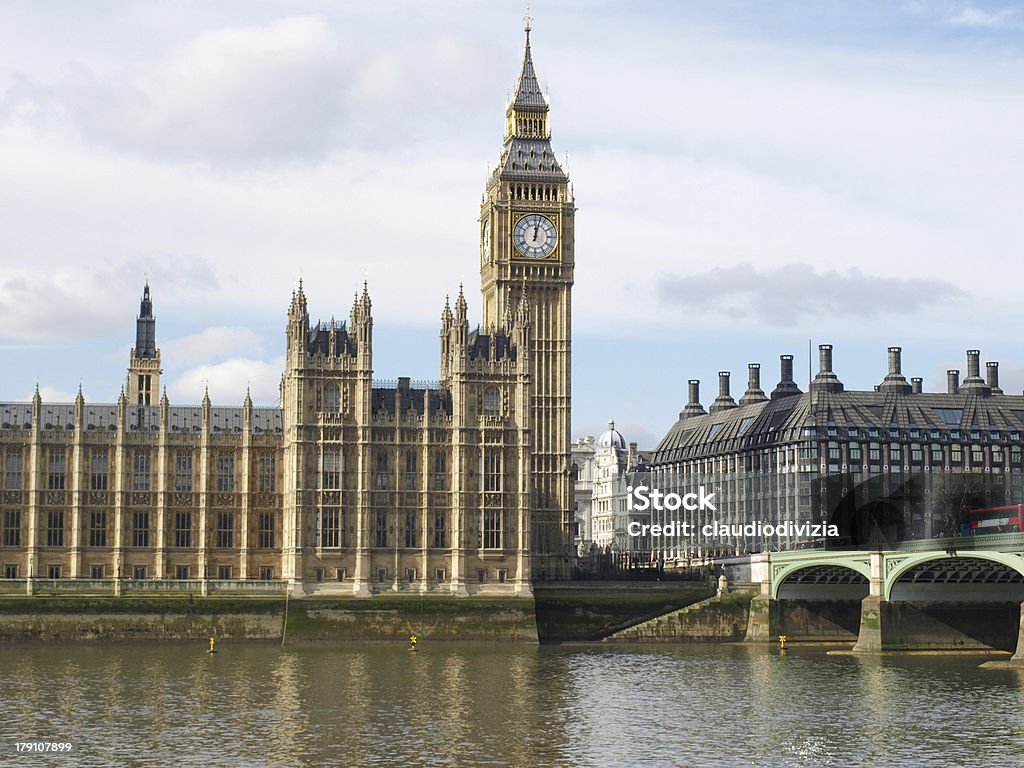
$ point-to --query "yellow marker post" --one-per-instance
(782, 642)
(212, 644)
(412, 642)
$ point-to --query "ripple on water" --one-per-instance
(464, 705)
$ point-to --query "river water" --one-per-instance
(465, 705)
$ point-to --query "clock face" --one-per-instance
(535, 236)
(485, 243)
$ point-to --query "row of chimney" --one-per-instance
(826, 380)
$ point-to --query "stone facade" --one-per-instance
(352, 486)
(605, 469)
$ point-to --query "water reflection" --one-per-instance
(494, 705)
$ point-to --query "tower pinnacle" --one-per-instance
(144, 362)
(145, 327)
(528, 94)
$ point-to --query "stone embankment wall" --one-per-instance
(45, 619)
(559, 612)
(714, 620)
(586, 611)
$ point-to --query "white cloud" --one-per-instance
(956, 13)
(73, 302)
(52, 395)
(225, 96)
(67, 303)
(792, 293)
(209, 345)
(259, 96)
(228, 380)
(972, 16)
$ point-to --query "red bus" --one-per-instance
(994, 520)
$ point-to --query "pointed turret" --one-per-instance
(145, 327)
(144, 362)
(207, 410)
(37, 405)
(508, 316)
(122, 411)
(527, 153)
(461, 308)
(297, 310)
(79, 408)
(523, 312)
(298, 328)
(362, 328)
(446, 313)
(165, 411)
(528, 93)
(364, 300)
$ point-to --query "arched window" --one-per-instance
(332, 397)
(492, 402)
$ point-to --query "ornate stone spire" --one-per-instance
(528, 92)
(145, 327)
(461, 309)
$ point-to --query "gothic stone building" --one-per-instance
(887, 465)
(351, 486)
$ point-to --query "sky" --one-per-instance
(750, 177)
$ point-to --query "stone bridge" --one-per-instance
(939, 594)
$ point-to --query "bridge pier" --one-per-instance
(869, 638)
(763, 607)
(1019, 655)
(764, 623)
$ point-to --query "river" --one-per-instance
(466, 705)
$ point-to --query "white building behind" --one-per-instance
(603, 469)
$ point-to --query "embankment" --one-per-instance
(384, 618)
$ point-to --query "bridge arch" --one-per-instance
(896, 568)
(781, 573)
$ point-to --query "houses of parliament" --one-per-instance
(350, 486)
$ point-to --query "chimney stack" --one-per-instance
(786, 385)
(973, 382)
(693, 407)
(973, 365)
(992, 369)
(826, 380)
(916, 385)
(724, 400)
(894, 380)
(754, 393)
(825, 357)
(895, 362)
(952, 381)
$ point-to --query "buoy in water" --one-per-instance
(412, 642)
(212, 648)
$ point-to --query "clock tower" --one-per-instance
(527, 249)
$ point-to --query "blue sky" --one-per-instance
(749, 176)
